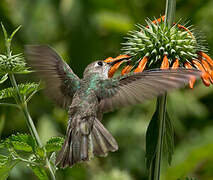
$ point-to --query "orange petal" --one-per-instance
(109, 59)
(175, 64)
(162, 18)
(165, 63)
(208, 69)
(205, 76)
(126, 69)
(208, 59)
(123, 56)
(141, 65)
(184, 28)
(114, 68)
(192, 79)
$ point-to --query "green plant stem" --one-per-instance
(170, 12)
(8, 104)
(161, 104)
(23, 106)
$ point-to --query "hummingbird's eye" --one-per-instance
(100, 63)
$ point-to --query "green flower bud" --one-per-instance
(158, 40)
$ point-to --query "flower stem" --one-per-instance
(161, 105)
(22, 103)
(23, 106)
(9, 104)
(170, 12)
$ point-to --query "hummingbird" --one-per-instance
(88, 98)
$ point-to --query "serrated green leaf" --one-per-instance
(24, 89)
(40, 152)
(54, 144)
(40, 172)
(168, 141)
(4, 78)
(152, 138)
(6, 166)
(3, 159)
(55, 140)
(2, 144)
(21, 142)
(7, 93)
(21, 138)
(21, 146)
(27, 89)
(24, 138)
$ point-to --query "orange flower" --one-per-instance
(142, 64)
(117, 65)
(179, 49)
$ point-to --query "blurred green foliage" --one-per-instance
(83, 31)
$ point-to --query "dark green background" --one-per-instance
(83, 31)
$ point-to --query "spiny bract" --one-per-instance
(157, 40)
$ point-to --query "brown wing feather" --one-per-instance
(135, 88)
(61, 82)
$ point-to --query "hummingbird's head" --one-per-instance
(100, 67)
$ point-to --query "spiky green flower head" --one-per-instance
(157, 40)
(12, 64)
(158, 46)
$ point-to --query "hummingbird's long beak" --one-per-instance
(116, 62)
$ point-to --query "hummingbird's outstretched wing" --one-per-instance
(61, 82)
(135, 88)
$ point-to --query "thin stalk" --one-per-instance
(170, 12)
(8, 104)
(161, 104)
(23, 105)
(30, 124)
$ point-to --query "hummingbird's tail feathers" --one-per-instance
(78, 147)
(74, 149)
(63, 158)
(102, 140)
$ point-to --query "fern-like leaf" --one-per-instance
(54, 144)
(40, 172)
(6, 164)
(24, 89)
(20, 142)
(4, 78)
